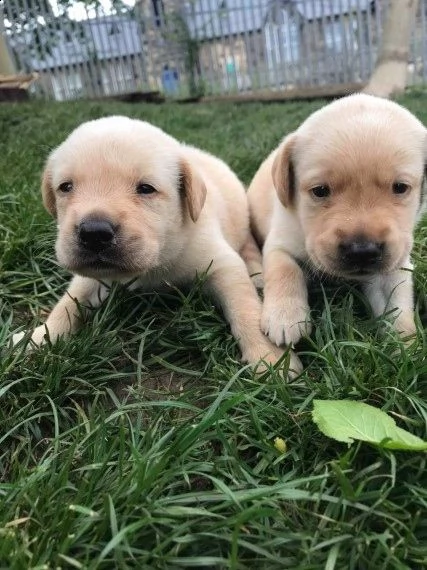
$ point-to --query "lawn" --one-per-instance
(143, 443)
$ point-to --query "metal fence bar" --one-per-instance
(361, 45)
(65, 58)
(208, 19)
(417, 70)
(348, 59)
(107, 76)
(249, 46)
(37, 35)
(94, 86)
(262, 74)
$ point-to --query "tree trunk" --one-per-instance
(6, 63)
(389, 75)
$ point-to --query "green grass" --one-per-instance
(143, 443)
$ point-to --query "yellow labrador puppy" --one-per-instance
(342, 194)
(132, 202)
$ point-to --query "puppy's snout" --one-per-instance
(96, 234)
(361, 253)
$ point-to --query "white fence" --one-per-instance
(195, 47)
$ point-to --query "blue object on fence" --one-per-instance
(170, 80)
(230, 66)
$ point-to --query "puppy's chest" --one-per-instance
(159, 281)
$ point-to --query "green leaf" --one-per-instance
(346, 421)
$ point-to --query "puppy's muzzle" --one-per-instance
(96, 234)
(360, 255)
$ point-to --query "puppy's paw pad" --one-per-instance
(270, 355)
(18, 337)
(287, 324)
(405, 327)
(37, 338)
(295, 366)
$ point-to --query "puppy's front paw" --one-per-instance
(17, 338)
(265, 351)
(261, 356)
(37, 338)
(405, 326)
(287, 323)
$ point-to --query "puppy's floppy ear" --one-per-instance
(283, 171)
(193, 188)
(48, 193)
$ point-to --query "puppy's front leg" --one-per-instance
(285, 315)
(252, 257)
(230, 283)
(394, 291)
(65, 316)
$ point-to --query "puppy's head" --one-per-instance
(122, 193)
(353, 173)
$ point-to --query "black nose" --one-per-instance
(361, 253)
(96, 234)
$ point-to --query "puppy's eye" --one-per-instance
(321, 191)
(143, 188)
(400, 188)
(65, 187)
